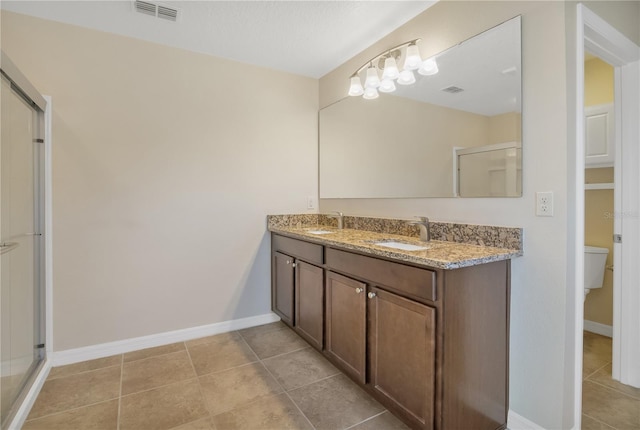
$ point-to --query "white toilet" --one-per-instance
(594, 264)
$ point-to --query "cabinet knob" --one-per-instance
(371, 295)
(288, 261)
(293, 265)
(358, 290)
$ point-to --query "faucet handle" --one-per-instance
(338, 213)
(422, 218)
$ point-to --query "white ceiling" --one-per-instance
(308, 38)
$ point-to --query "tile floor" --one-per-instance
(262, 378)
(606, 404)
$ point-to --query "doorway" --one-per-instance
(22, 349)
(596, 36)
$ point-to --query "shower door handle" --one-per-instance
(7, 247)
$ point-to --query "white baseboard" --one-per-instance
(23, 411)
(594, 327)
(69, 356)
(518, 422)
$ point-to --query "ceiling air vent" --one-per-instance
(157, 10)
(146, 8)
(167, 13)
(452, 89)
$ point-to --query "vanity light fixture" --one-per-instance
(387, 62)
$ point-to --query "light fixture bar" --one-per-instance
(386, 52)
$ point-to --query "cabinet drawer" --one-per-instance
(414, 281)
(304, 250)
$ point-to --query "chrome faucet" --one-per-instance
(425, 231)
(340, 217)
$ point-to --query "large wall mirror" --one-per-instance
(453, 134)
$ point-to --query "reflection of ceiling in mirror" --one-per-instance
(487, 67)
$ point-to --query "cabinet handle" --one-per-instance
(371, 295)
(293, 265)
(358, 290)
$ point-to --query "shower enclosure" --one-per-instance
(22, 332)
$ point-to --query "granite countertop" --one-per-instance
(440, 254)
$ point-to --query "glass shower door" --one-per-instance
(20, 248)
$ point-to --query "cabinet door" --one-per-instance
(310, 303)
(402, 347)
(346, 323)
(599, 136)
(282, 288)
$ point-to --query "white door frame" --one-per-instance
(606, 42)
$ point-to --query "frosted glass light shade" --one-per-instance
(372, 81)
(390, 69)
(412, 60)
(406, 78)
(428, 67)
(356, 87)
(370, 93)
(387, 86)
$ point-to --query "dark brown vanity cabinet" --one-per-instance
(283, 277)
(297, 292)
(430, 344)
(346, 324)
(402, 353)
(309, 298)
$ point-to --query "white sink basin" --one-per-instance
(401, 245)
(319, 231)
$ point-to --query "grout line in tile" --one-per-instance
(151, 357)
(120, 393)
(81, 373)
(257, 359)
(286, 393)
(615, 389)
(206, 406)
(316, 381)
(368, 419)
(284, 353)
(159, 386)
(596, 371)
(270, 331)
(73, 409)
(597, 420)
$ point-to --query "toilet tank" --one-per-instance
(594, 264)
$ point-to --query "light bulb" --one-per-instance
(387, 86)
(356, 87)
(428, 67)
(412, 60)
(406, 78)
(370, 93)
(372, 81)
(390, 69)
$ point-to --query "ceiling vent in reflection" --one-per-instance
(157, 10)
(452, 89)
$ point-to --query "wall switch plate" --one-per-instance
(544, 203)
(312, 202)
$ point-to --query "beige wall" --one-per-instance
(505, 128)
(538, 375)
(414, 151)
(165, 164)
(598, 89)
(598, 82)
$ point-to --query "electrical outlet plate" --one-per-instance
(544, 203)
(311, 202)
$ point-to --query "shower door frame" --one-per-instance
(22, 85)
